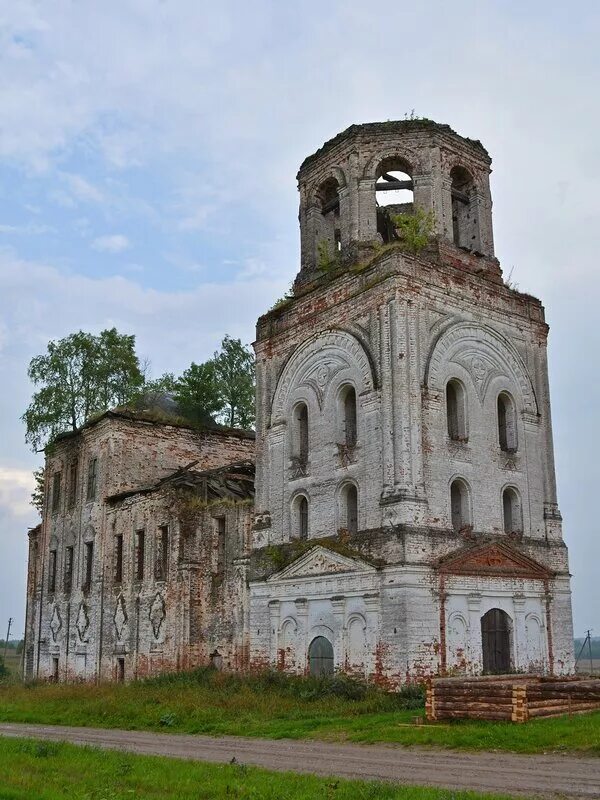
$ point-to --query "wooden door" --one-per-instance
(495, 640)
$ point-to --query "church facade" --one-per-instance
(405, 519)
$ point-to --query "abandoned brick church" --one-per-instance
(395, 514)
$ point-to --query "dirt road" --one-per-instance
(545, 775)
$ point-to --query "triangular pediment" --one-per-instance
(496, 559)
(321, 561)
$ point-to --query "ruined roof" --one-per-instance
(400, 126)
(232, 481)
(154, 417)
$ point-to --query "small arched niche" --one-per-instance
(507, 423)
(394, 194)
(456, 412)
(460, 505)
(512, 511)
(465, 223)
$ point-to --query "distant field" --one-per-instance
(13, 661)
(276, 706)
(583, 666)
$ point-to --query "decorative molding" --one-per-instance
(157, 614)
(494, 560)
(82, 623)
(484, 353)
(55, 623)
(120, 616)
(321, 561)
(316, 362)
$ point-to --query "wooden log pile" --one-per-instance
(517, 698)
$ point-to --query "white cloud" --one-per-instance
(82, 189)
(113, 243)
(28, 229)
(16, 486)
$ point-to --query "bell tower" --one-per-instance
(353, 188)
(405, 468)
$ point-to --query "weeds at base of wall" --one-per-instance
(308, 688)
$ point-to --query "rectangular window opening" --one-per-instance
(72, 484)
(52, 572)
(139, 555)
(162, 553)
(89, 563)
(92, 480)
(56, 481)
(118, 558)
(68, 582)
(120, 670)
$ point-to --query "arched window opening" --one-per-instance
(393, 195)
(507, 423)
(455, 411)
(351, 508)
(460, 506)
(513, 515)
(464, 216)
(301, 517)
(350, 432)
(329, 236)
(301, 433)
(320, 657)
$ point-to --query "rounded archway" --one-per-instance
(320, 656)
(495, 642)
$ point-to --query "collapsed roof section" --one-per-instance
(230, 482)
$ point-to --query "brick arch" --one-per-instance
(485, 354)
(316, 362)
(406, 154)
(332, 172)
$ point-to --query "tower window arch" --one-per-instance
(300, 516)
(460, 505)
(329, 235)
(456, 416)
(507, 423)
(393, 194)
(300, 432)
(465, 226)
(512, 511)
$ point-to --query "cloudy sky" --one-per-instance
(148, 152)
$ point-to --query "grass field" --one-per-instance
(276, 706)
(49, 771)
(13, 661)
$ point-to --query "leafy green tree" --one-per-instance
(78, 376)
(198, 393)
(38, 494)
(235, 376)
(222, 387)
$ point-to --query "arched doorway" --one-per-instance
(495, 641)
(320, 656)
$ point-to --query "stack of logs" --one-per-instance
(511, 697)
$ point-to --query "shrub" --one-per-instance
(415, 230)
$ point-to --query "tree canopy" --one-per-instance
(78, 376)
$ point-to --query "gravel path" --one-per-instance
(538, 775)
